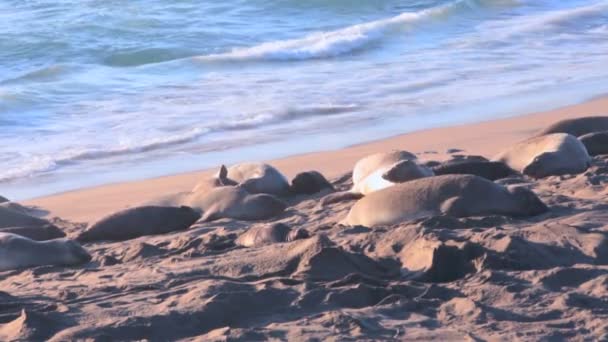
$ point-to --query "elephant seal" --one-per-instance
(18, 252)
(219, 179)
(234, 202)
(486, 169)
(381, 170)
(139, 221)
(596, 143)
(454, 195)
(309, 182)
(10, 217)
(578, 126)
(258, 178)
(547, 155)
(37, 233)
(269, 234)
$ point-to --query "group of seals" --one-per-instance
(592, 131)
(455, 195)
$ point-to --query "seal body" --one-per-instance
(596, 143)
(309, 182)
(382, 170)
(10, 217)
(259, 178)
(486, 169)
(578, 126)
(235, 202)
(547, 155)
(139, 221)
(454, 195)
(37, 233)
(269, 234)
(19, 252)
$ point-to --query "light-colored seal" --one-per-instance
(19, 252)
(37, 233)
(578, 126)
(309, 182)
(454, 195)
(269, 234)
(381, 170)
(139, 221)
(259, 178)
(596, 143)
(547, 155)
(234, 202)
(10, 217)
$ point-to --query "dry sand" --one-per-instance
(480, 278)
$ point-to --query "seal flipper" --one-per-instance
(209, 215)
(454, 206)
(341, 197)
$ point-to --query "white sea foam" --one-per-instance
(334, 43)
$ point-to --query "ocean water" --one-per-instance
(97, 91)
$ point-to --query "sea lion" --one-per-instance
(309, 182)
(578, 126)
(17, 252)
(219, 179)
(486, 169)
(547, 155)
(139, 221)
(259, 178)
(454, 195)
(234, 202)
(37, 233)
(269, 234)
(381, 170)
(10, 217)
(596, 143)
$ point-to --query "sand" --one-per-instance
(441, 278)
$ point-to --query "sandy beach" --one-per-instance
(478, 278)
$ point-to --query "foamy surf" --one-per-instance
(335, 43)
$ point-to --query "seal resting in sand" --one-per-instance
(596, 143)
(10, 217)
(381, 170)
(309, 182)
(139, 221)
(578, 126)
(217, 180)
(454, 195)
(486, 169)
(234, 202)
(269, 234)
(547, 155)
(37, 233)
(17, 252)
(258, 178)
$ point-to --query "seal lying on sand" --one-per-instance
(139, 221)
(269, 234)
(547, 155)
(579, 126)
(37, 233)
(596, 143)
(13, 218)
(258, 178)
(309, 182)
(486, 169)
(454, 195)
(381, 170)
(234, 202)
(18, 252)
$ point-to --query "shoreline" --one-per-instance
(482, 138)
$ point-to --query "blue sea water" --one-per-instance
(97, 91)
